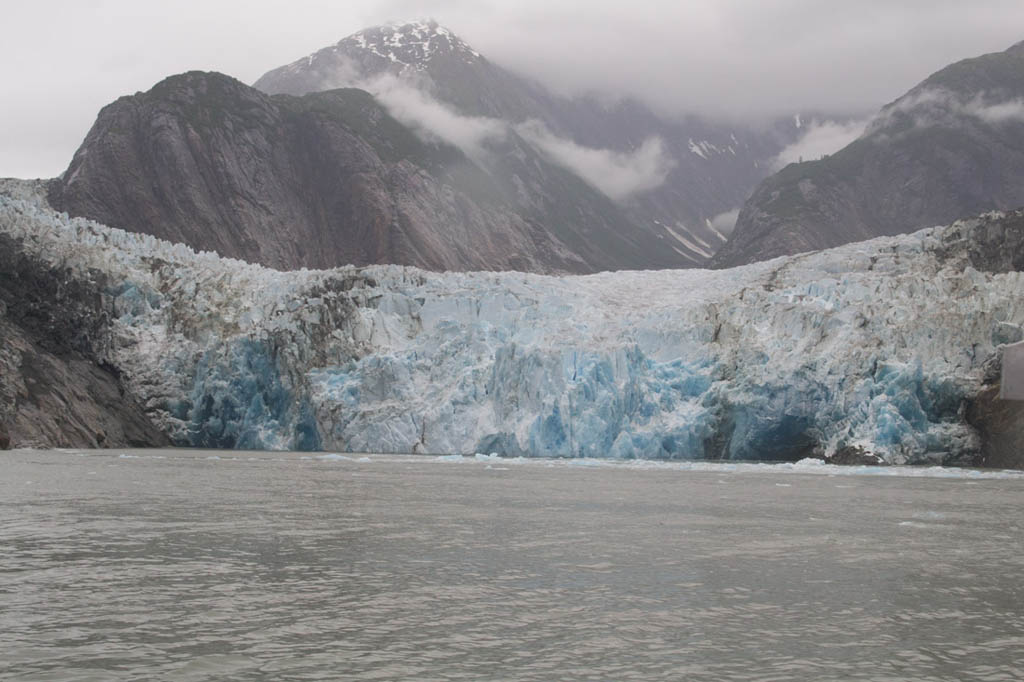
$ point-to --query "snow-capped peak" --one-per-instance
(413, 43)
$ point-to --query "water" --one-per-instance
(172, 565)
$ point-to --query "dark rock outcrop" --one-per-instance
(854, 455)
(951, 147)
(56, 388)
(67, 400)
(999, 423)
(993, 243)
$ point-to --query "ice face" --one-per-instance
(875, 344)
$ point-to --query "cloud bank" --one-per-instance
(618, 175)
(939, 106)
(733, 58)
(1002, 112)
(725, 58)
(826, 137)
(432, 119)
(725, 222)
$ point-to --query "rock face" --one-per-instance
(57, 387)
(854, 455)
(1000, 422)
(877, 348)
(58, 399)
(951, 147)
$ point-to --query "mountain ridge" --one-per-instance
(714, 166)
(208, 161)
(486, 171)
(952, 146)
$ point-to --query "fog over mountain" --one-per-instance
(951, 147)
(725, 58)
(429, 141)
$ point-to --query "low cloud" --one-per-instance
(938, 106)
(432, 119)
(725, 223)
(720, 58)
(343, 73)
(820, 139)
(619, 175)
(1012, 110)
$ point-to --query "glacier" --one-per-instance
(876, 345)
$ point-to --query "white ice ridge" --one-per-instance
(876, 344)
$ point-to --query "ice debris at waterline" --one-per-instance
(876, 344)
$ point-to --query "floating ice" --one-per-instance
(333, 457)
(493, 457)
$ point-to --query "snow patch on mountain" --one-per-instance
(689, 244)
(706, 149)
(412, 44)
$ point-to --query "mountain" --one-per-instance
(331, 178)
(882, 349)
(710, 167)
(456, 164)
(56, 388)
(953, 146)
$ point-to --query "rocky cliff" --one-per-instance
(57, 386)
(951, 147)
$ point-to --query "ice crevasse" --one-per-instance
(876, 344)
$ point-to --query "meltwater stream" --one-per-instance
(180, 565)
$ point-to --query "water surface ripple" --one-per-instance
(183, 566)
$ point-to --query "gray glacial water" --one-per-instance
(179, 565)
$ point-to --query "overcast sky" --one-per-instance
(64, 59)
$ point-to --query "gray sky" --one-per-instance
(64, 59)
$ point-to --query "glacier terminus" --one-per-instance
(876, 345)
